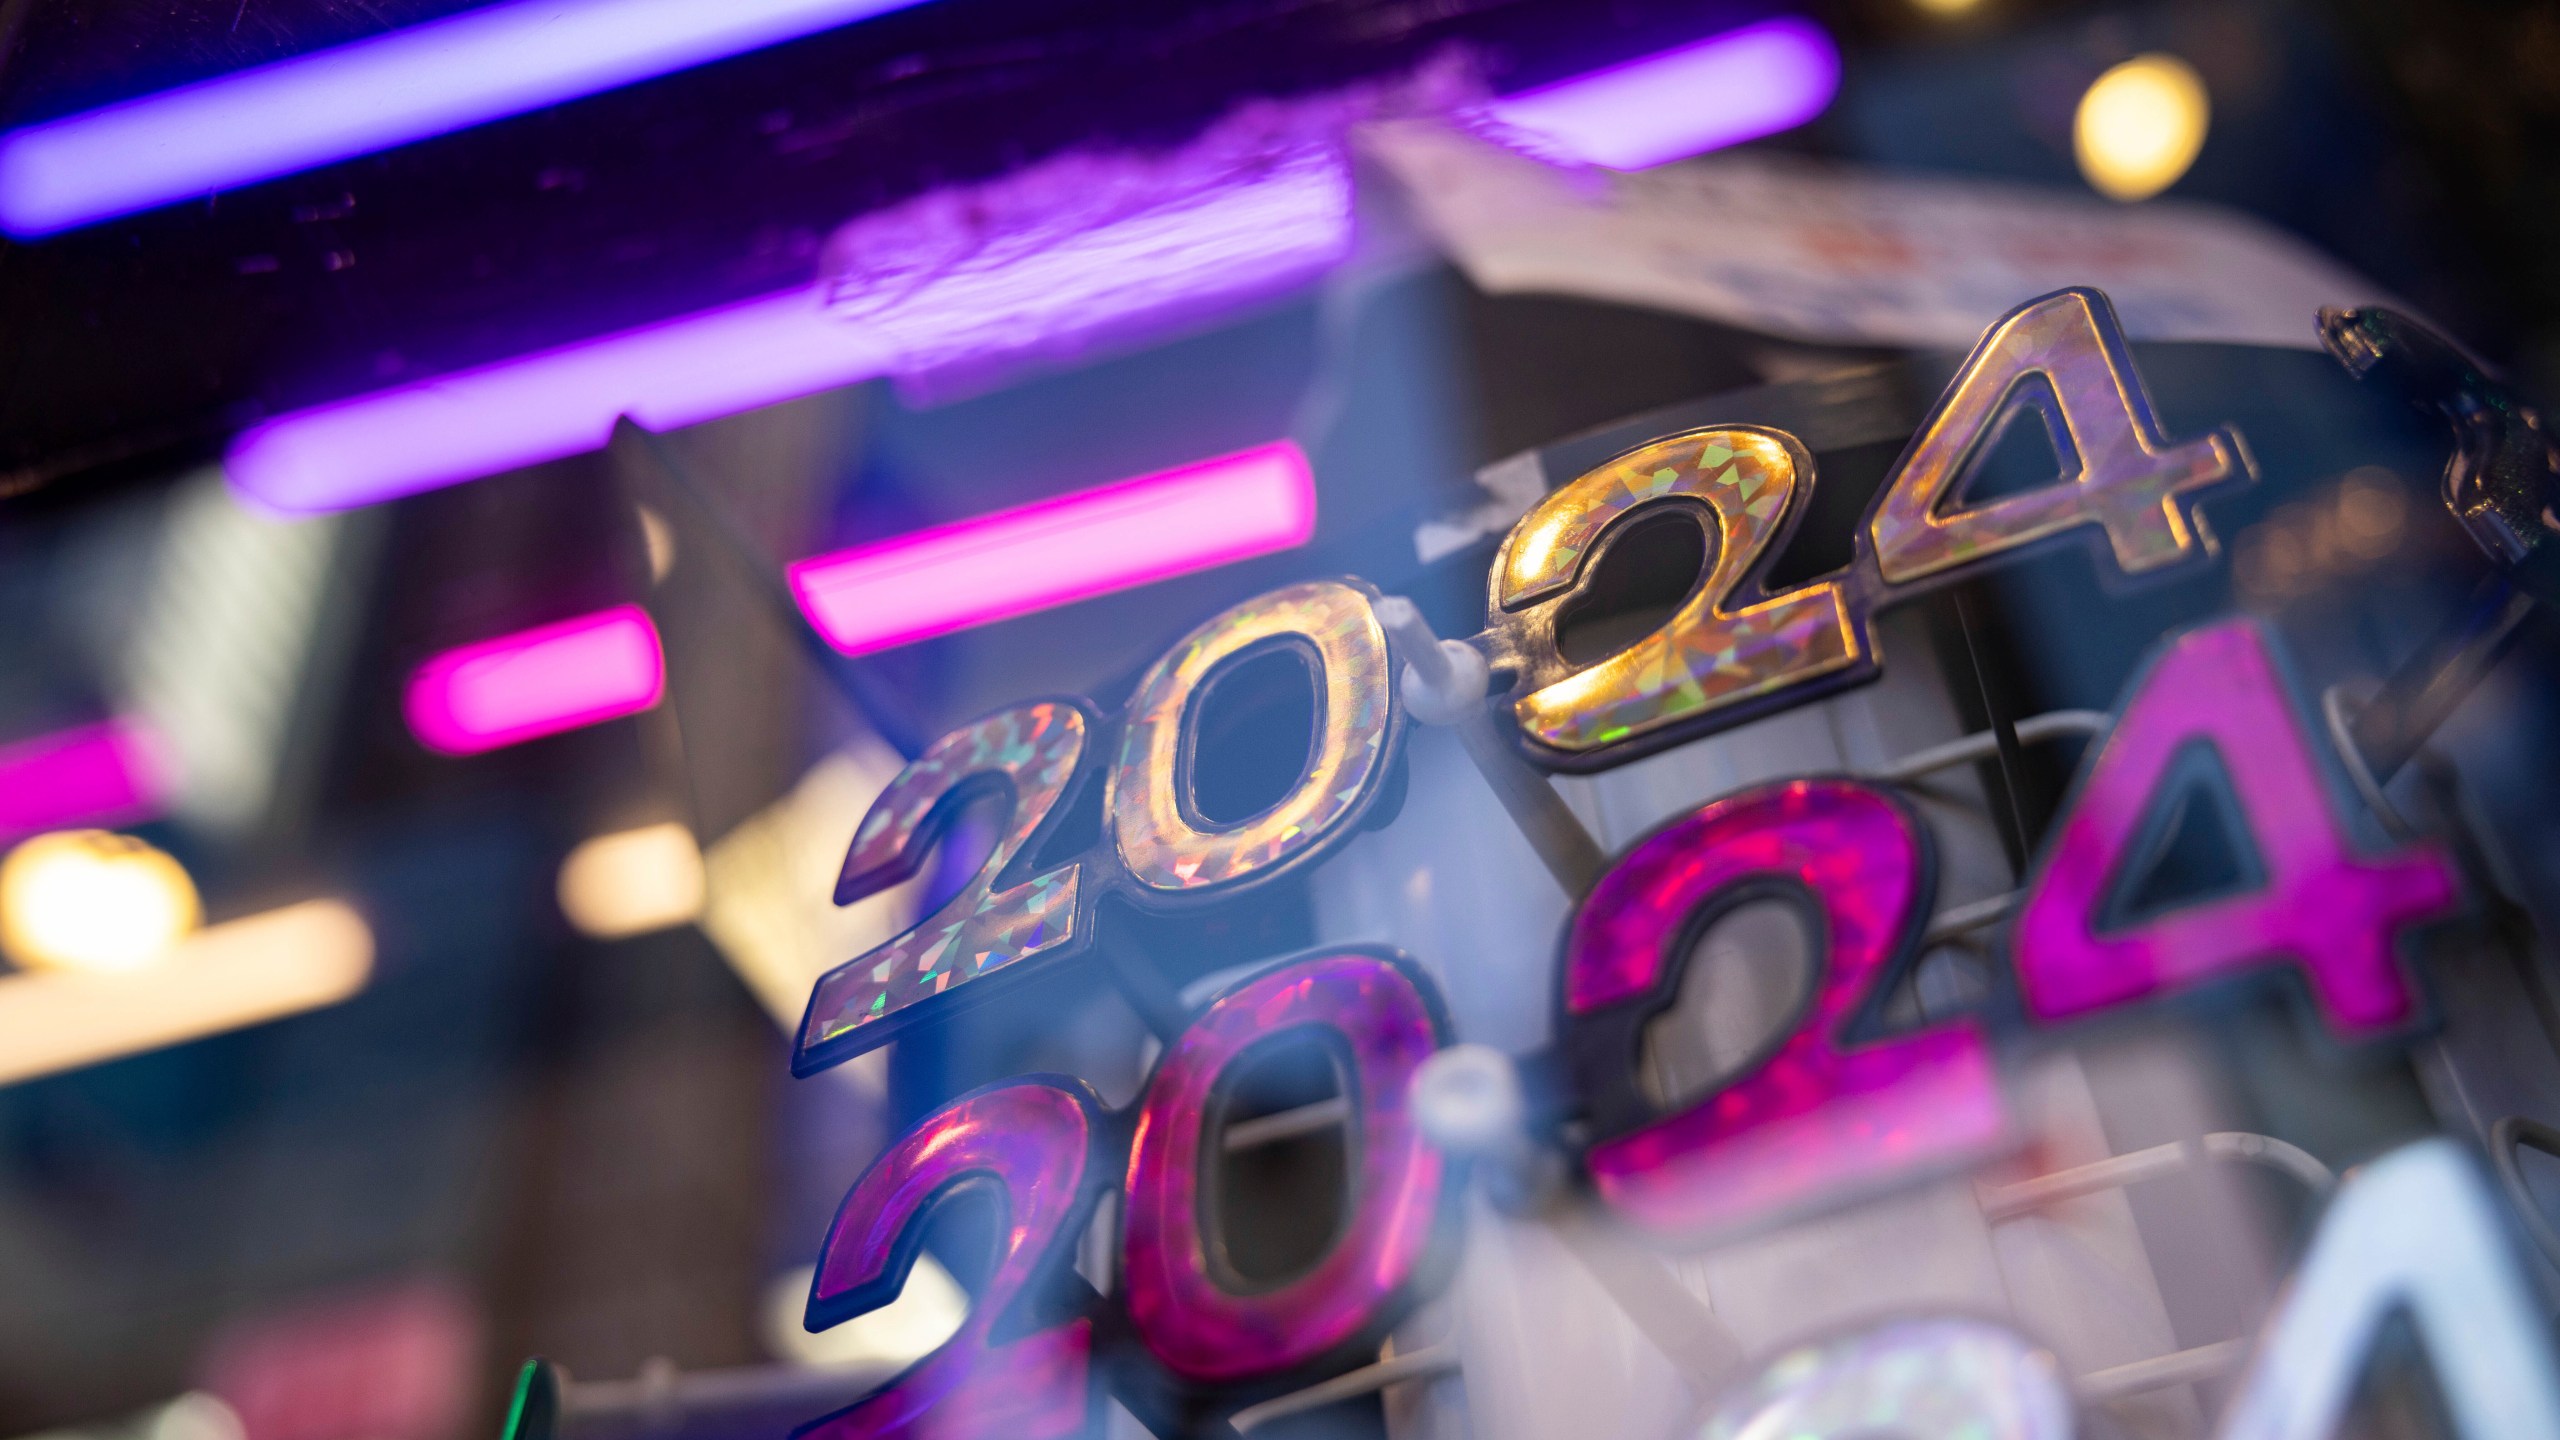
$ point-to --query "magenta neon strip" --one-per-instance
(102, 774)
(537, 682)
(1090, 543)
(420, 81)
(1721, 91)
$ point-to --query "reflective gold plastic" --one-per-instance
(1162, 841)
(1711, 653)
(2131, 478)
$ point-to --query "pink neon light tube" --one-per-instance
(103, 774)
(1090, 543)
(537, 682)
(1721, 91)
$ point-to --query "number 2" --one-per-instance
(1720, 650)
(1031, 753)
(1822, 1115)
(1031, 1144)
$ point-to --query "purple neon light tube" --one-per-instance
(350, 100)
(1720, 91)
(1232, 241)
(1234, 233)
(549, 404)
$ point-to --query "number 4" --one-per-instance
(2214, 695)
(2417, 1231)
(2064, 357)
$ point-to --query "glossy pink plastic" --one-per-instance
(1203, 1329)
(1819, 1115)
(1031, 1141)
(2323, 908)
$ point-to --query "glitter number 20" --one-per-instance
(1156, 846)
(1037, 1146)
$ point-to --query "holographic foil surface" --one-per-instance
(1162, 841)
(1713, 652)
(2322, 907)
(1819, 1114)
(2131, 480)
(1033, 749)
(1205, 1330)
(1942, 1378)
(1032, 1141)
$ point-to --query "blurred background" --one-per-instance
(424, 799)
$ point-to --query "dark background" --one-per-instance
(598, 1143)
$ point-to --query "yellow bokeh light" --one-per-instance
(632, 882)
(93, 900)
(2140, 126)
(1948, 7)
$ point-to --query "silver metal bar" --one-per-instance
(1288, 1124)
(2181, 1367)
(1964, 919)
(2113, 1173)
(1680, 1324)
(2334, 703)
(2504, 1137)
(2051, 725)
(1419, 1365)
(663, 1401)
(2275, 1154)
(2002, 1202)
(1444, 683)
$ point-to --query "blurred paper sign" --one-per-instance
(400, 1363)
(1841, 255)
